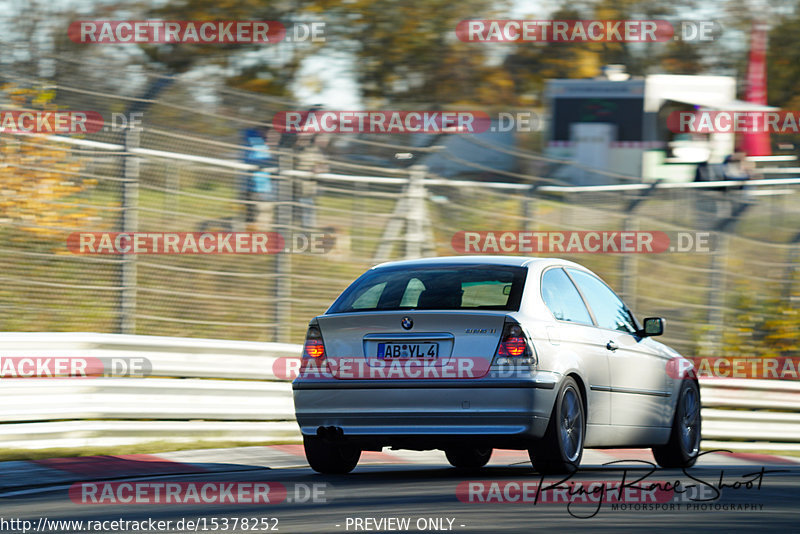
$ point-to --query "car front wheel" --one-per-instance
(329, 457)
(561, 448)
(683, 446)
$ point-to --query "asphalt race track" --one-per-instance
(387, 489)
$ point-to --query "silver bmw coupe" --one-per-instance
(471, 353)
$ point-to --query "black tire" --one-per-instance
(683, 446)
(468, 458)
(561, 448)
(330, 458)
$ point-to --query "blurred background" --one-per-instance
(206, 157)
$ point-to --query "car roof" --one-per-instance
(511, 261)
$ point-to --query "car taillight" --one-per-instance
(514, 347)
(314, 348)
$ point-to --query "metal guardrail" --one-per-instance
(203, 389)
(237, 165)
(743, 414)
(198, 389)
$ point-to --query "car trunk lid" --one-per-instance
(451, 344)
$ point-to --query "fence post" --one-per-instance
(528, 208)
(791, 269)
(129, 222)
(716, 295)
(629, 224)
(628, 282)
(416, 215)
(283, 260)
(718, 272)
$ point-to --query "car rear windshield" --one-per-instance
(443, 287)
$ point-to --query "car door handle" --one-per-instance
(612, 346)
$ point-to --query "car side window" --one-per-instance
(563, 299)
(368, 299)
(609, 310)
(412, 292)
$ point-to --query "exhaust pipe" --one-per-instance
(331, 433)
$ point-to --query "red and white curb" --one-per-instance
(57, 471)
(278, 456)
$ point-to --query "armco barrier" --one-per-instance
(217, 390)
(743, 414)
(198, 389)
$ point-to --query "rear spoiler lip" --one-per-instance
(464, 311)
(420, 383)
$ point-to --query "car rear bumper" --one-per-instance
(404, 409)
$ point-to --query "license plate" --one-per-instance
(388, 351)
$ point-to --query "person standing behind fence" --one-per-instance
(310, 158)
(735, 167)
(257, 186)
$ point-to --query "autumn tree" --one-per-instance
(533, 63)
(38, 177)
(783, 63)
(264, 68)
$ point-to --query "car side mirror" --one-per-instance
(653, 326)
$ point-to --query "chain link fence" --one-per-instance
(184, 172)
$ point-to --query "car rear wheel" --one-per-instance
(329, 457)
(468, 458)
(683, 446)
(561, 448)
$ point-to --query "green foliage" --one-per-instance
(760, 326)
(783, 63)
(409, 52)
(533, 63)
